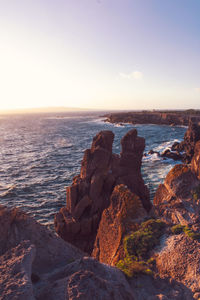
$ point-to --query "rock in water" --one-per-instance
(89, 195)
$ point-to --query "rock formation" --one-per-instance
(123, 215)
(174, 200)
(90, 192)
(191, 137)
(185, 150)
(195, 164)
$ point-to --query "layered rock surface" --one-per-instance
(90, 192)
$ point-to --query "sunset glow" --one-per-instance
(100, 54)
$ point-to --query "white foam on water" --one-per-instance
(166, 145)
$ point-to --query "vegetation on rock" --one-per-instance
(137, 246)
(177, 229)
(196, 193)
(140, 242)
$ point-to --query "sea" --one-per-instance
(41, 153)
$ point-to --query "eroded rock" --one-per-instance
(174, 199)
(89, 195)
(123, 215)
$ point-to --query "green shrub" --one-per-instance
(177, 229)
(140, 242)
(189, 232)
(132, 268)
(136, 247)
(196, 193)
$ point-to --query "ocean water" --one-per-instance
(41, 153)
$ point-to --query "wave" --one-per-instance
(8, 190)
(166, 145)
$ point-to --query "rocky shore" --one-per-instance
(155, 117)
(111, 241)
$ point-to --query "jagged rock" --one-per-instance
(173, 155)
(124, 214)
(174, 200)
(191, 137)
(195, 164)
(89, 195)
(15, 272)
(179, 258)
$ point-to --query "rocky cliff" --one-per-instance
(156, 117)
(90, 192)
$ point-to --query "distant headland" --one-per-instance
(167, 117)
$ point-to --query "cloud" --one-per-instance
(197, 90)
(136, 75)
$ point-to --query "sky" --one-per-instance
(100, 54)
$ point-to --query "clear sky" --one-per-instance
(105, 54)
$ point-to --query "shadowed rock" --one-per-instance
(36, 264)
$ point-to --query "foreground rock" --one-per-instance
(15, 271)
(179, 259)
(90, 192)
(36, 264)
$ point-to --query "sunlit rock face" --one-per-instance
(195, 164)
(175, 200)
(90, 191)
(123, 215)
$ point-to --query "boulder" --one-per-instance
(173, 155)
(90, 192)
